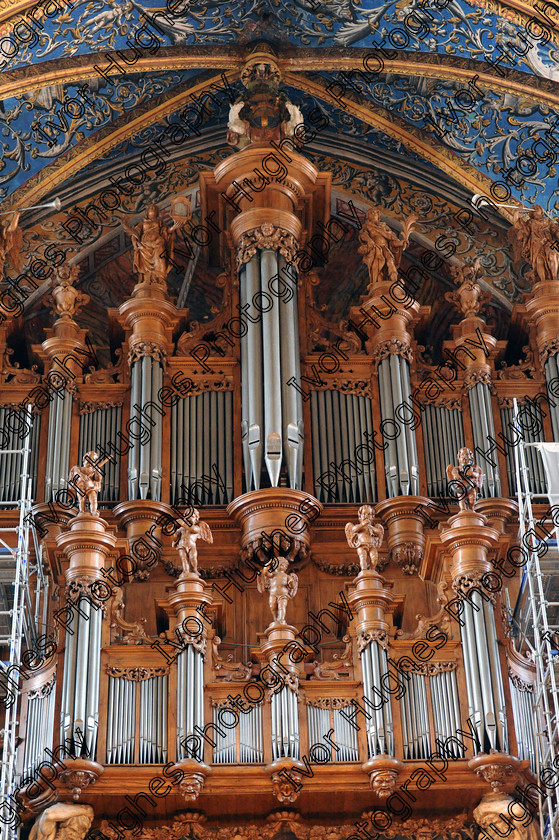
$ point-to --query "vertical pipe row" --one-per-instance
(552, 375)
(342, 430)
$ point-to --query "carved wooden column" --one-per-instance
(86, 545)
(470, 352)
(65, 356)
(270, 199)
(468, 538)
(149, 318)
(371, 599)
(385, 317)
(186, 607)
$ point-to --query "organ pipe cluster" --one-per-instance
(400, 456)
(272, 412)
(146, 414)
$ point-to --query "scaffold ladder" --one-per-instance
(543, 649)
(18, 556)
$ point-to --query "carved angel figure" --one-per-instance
(65, 297)
(153, 245)
(469, 296)
(366, 537)
(281, 586)
(535, 239)
(382, 250)
(498, 810)
(469, 475)
(63, 821)
(185, 542)
(11, 239)
(88, 480)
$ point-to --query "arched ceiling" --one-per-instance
(385, 139)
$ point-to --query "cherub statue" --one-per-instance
(11, 240)
(281, 586)
(153, 244)
(499, 809)
(67, 299)
(87, 481)
(63, 821)
(536, 240)
(185, 542)
(469, 296)
(382, 250)
(469, 475)
(366, 537)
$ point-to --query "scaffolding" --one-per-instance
(19, 619)
(536, 621)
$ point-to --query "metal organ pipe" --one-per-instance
(552, 375)
(58, 442)
(272, 414)
(251, 346)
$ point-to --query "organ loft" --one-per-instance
(279, 441)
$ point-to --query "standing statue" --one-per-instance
(153, 244)
(11, 240)
(67, 299)
(469, 475)
(366, 537)
(536, 240)
(87, 481)
(498, 810)
(469, 296)
(281, 586)
(382, 250)
(63, 821)
(186, 539)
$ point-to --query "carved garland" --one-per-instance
(43, 691)
(136, 674)
(266, 237)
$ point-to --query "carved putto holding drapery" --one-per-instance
(366, 536)
(280, 585)
(467, 474)
(185, 543)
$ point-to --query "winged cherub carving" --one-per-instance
(185, 542)
(281, 586)
(366, 537)
(87, 480)
(470, 477)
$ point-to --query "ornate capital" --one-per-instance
(267, 236)
(146, 348)
(392, 347)
(408, 555)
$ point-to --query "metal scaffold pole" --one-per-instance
(538, 609)
(14, 549)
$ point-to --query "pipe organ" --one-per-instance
(251, 600)
(401, 467)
